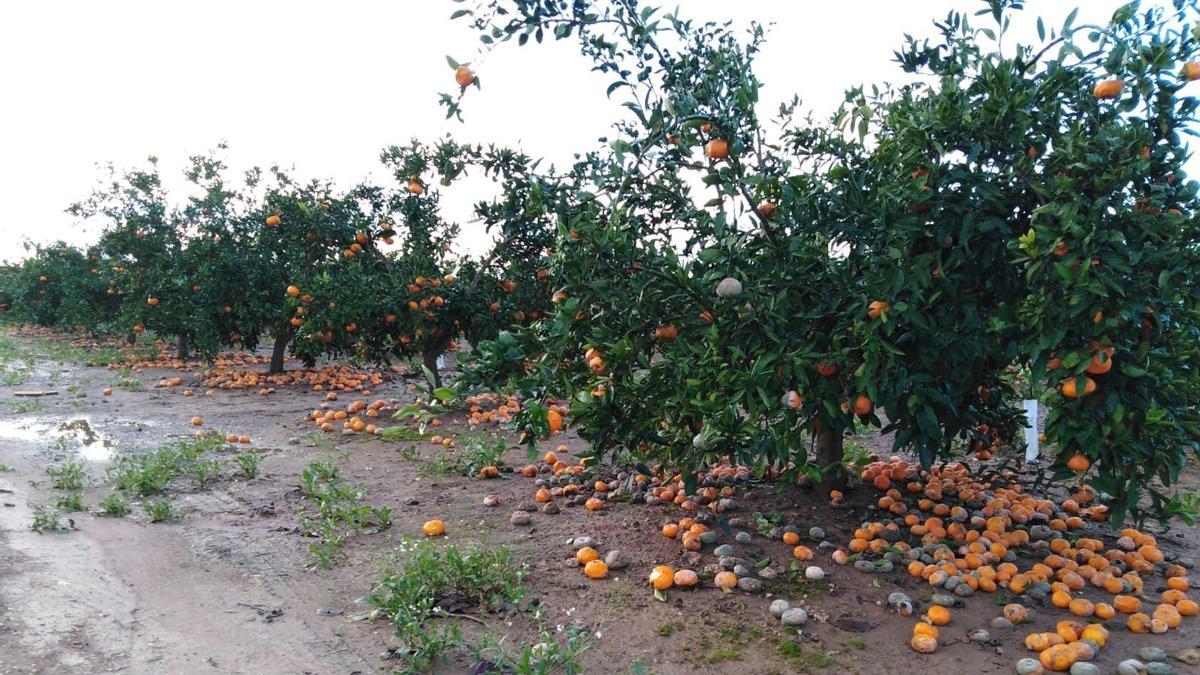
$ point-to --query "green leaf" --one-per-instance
(443, 394)
(1070, 20)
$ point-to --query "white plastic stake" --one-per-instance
(1031, 432)
(441, 364)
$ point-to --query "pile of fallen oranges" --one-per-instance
(956, 530)
(655, 487)
(323, 378)
(556, 464)
(164, 359)
(490, 408)
(351, 418)
(950, 529)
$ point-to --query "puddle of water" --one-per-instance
(93, 446)
(19, 430)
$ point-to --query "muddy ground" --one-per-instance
(229, 587)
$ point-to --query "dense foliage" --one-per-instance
(705, 283)
(742, 288)
(367, 273)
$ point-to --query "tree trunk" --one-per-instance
(181, 347)
(435, 347)
(283, 337)
(131, 338)
(430, 359)
(829, 458)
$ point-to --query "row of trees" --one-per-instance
(367, 272)
(704, 283)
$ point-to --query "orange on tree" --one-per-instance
(1101, 362)
(717, 148)
(1107, 89)
(464, 76)
(1070, 387)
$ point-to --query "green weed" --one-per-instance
(69, 475)
(152, 472)
(800, 658)
(335, 512)
(160, 510)
(316, 474)
(21, 406)
(248, 463)
(113, 506)
(480, 451)
(144, 475)
(70, 502)
(399, 434)
(548, 655)
(47, 519)
(129, 384)
(15, 377)
(203, 471)
(764, 525)
(419, 579)
(477, 452)
(409, 453)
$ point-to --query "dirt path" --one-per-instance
(228, 587)
(218, 592)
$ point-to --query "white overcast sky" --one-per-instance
(323, 86)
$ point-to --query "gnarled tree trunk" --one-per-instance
(435, 347)
(283, 337)
(829, 458)
(181, 347)
(430, 360)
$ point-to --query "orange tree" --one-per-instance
(304, 265)
(314, 265)
(1004, 211)
(144, 245)
(432, 296)
(176, 270)
(61, 286)
(700, 312)
(217, 224)
(827, 278)
(1035, 212)
(1109, 254)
